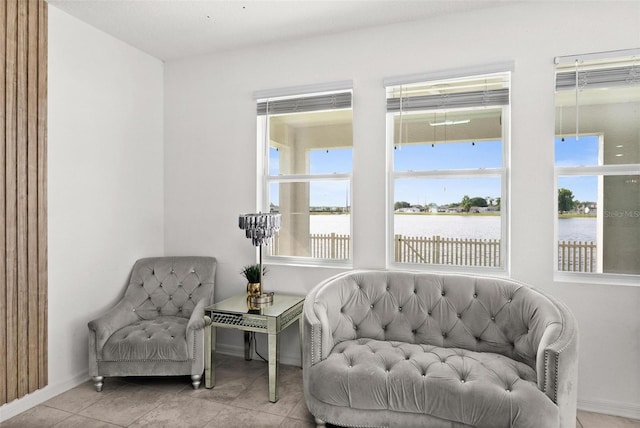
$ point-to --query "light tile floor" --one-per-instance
(240, 399)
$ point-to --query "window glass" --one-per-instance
(465, 142)
(311, 143)
(450, 195)
(317, 225)
(577, 223)
(448, 226)
(572, 151)
(328, 161)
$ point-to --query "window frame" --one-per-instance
(503, 173)
(598, 61)
(265, 179)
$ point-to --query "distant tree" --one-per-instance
(498, 200)
(478, 202)
(465, 203)
(565, 200)
(401, 204)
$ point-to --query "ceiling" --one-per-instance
(172, 29)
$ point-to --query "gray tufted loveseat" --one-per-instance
(406, 349)
(158, 326)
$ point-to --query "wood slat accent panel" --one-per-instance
(23, 225)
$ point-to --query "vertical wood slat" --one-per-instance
(21, 201)
(23, 237)
(42, 194)
(32, 192)
(3, 295)
(10, 200)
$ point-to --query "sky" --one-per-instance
(578, 152)
(441, 191)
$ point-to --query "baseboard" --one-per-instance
(238, 351)
(15, 407)
(615, 408)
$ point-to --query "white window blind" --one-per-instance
(495, 97)
(307, 103)
(598, 70)
(598, 78)
(471, 92)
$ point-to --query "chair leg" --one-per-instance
(195, 381)
(320, 423)
(98, 382)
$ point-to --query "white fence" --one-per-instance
(572, 256)
(447, 251)
(577, 256)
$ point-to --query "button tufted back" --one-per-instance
(161, 286)
(476, 313)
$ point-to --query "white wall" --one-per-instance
(210, 156)
(105, 184)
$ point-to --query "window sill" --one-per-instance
(308, 262)
(463, 270)
(597, 278)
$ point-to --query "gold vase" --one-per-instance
(254, 289)
(250, 305)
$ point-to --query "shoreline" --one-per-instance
(486, 214)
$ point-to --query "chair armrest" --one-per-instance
(318, 339)
(195, 331)
(312, 332)
(196, 321)
(117, 317)
(557, 365)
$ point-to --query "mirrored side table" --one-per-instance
(270, 318)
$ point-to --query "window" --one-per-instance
(448, 142)
(307, 166)
(597, 163)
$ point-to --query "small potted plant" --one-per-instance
(252, 274)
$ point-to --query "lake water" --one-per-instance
(577, 229)
(455, 226)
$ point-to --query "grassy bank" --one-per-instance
(489, 214)
(574, 215)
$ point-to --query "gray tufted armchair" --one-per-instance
(158, 326)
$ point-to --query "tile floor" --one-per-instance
(238, 400)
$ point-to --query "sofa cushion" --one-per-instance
(163, 338)
(480, 389)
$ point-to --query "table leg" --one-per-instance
(274, 361)
(300, 336)
(210, 352)
(248, 345)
